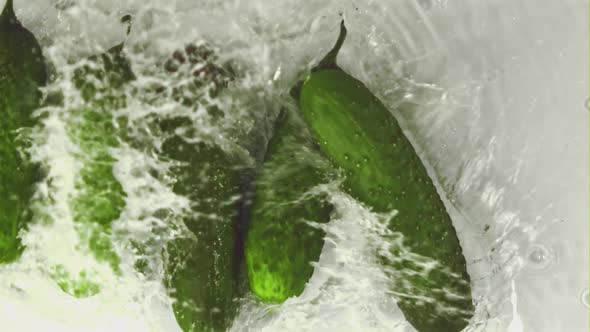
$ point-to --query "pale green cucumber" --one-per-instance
(99, 198)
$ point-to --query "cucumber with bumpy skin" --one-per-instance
(360, 136)
(203, 262)
(99, 198)
(203, 266)
(281, 244)
(22, 72)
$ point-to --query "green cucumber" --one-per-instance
(203, 265)
(360, 136)
(99, 198)
(22, 72)
(281, 244)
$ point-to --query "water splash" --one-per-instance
(463, 93)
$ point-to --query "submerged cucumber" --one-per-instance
(22, 72)
(281, 244)
(204, 262)
(99, 198)
(359, 135)
(203, 266)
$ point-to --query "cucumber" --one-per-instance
(281, 244)
(99, 198)
(22, 72)
(203, 265)
(360, 136)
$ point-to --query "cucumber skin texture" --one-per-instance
(22, 72)
(204, 261)
(100, 198)
(383, 171)
(203, 266)
(280, 245)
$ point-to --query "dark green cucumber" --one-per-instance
(203, 264)
(22, 72)
(360, 136)
(281, 244)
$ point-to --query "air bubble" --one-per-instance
(539, 257)
(584, 298)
